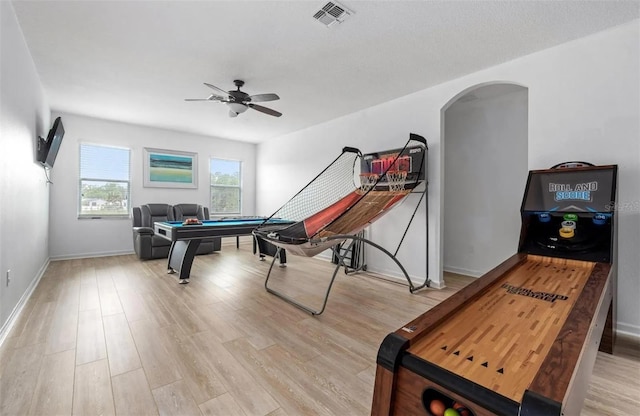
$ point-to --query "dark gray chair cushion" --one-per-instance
(183, 211)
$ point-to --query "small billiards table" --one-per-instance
(186, 238)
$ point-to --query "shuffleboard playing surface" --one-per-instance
(500, 338)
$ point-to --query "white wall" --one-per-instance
(485, 165)
(584, 104)
(24, 195)
(73, 237)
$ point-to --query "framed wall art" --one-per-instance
(170, 169)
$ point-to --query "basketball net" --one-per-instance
(368, 180)
(395, 179)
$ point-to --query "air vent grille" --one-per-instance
(332, 13)
(334, 10)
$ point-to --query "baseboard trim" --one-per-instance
(401, 278)
(629, 330)
(17, 310)
(91, 255)
(464, 272)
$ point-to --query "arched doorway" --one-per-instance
(485, 140)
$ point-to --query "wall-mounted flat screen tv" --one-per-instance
(48, 150)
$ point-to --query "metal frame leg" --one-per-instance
(348, 269)
(412, 287)
(291, 300)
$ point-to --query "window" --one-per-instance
(104, 181)
(226, 186)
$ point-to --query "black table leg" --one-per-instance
(181, 258)
(265, 248)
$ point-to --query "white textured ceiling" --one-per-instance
(136, 61)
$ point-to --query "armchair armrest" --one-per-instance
(143, 241)
(143, 230)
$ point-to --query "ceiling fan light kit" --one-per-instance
(237, 107)
(239, 101)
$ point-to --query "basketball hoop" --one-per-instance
(395, 179)
(368, 181)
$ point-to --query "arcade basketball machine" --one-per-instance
(333, 209)
(522, 339)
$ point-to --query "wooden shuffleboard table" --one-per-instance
(523, 338)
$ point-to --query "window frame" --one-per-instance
(213, 213)
(82, 216)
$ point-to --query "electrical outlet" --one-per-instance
(8, 276)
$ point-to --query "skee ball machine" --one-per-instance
(522, 339)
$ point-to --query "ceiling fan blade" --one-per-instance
(265, 110)
(213, 87)
(212, 97)
(264, 97)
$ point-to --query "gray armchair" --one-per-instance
(146, 244)
(183, 211)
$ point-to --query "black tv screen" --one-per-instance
(49, 151)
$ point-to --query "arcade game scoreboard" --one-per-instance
(523, 338)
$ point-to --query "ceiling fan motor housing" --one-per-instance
(239, 96)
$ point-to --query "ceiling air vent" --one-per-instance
(332, 13)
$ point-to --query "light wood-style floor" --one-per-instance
(116, 335)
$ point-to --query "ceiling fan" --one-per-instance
(238, 101)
